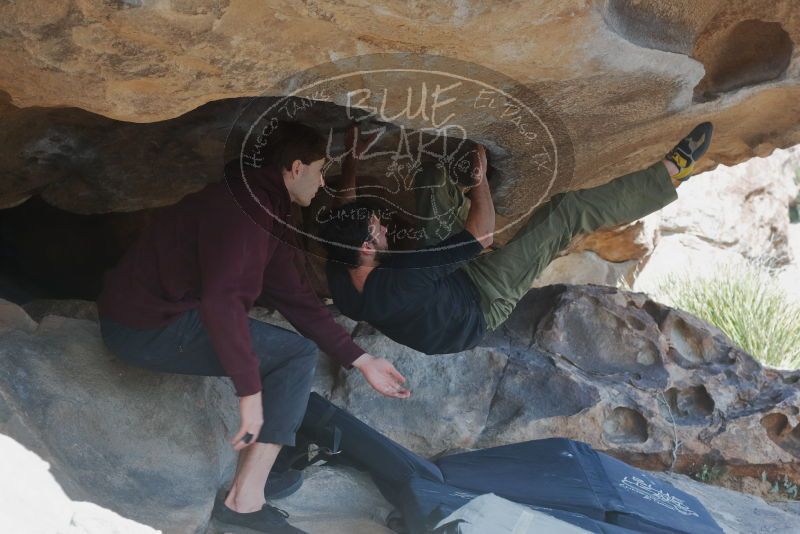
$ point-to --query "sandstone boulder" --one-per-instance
(646, 383)
(614, 369)
(735, 512)
(627, 79)
(150, 447)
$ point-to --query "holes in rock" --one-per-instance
(636, 324)
(685, 341)
(794, 379)
(781, 432)
(625, 425)
(747, 53)
(689, 404)
(656, 311)
(599, 340)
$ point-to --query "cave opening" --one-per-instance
(48, 252)
(80, 186)
(92, 183)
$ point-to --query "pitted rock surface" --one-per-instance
(163, 436)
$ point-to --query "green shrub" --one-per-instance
(745, 302)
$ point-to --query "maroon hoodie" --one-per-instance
(207, 252)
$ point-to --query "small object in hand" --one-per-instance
(247, 437)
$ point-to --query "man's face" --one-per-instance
(303, 181)
(378, 233)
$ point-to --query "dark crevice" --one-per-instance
(625, 425)
(781, 432)
(51, 253)
(656, 311)
(690, 405)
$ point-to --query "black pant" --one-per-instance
(286, 364)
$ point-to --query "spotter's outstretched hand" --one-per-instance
(382, 376)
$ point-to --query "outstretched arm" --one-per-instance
(355, 147)
(480, 221)
(382, 376)
(285, 287)
(437, 261)
(348, 181)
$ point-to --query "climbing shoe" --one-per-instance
(268, 520)
(690, 149)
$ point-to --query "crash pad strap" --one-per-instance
(321, 453)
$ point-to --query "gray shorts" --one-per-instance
(286, 363)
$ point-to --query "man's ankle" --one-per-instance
(672, 169)
(242, 506)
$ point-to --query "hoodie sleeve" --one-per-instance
(286, 289)
(230, 249)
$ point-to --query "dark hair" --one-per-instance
(291, 141)
(347, 225)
